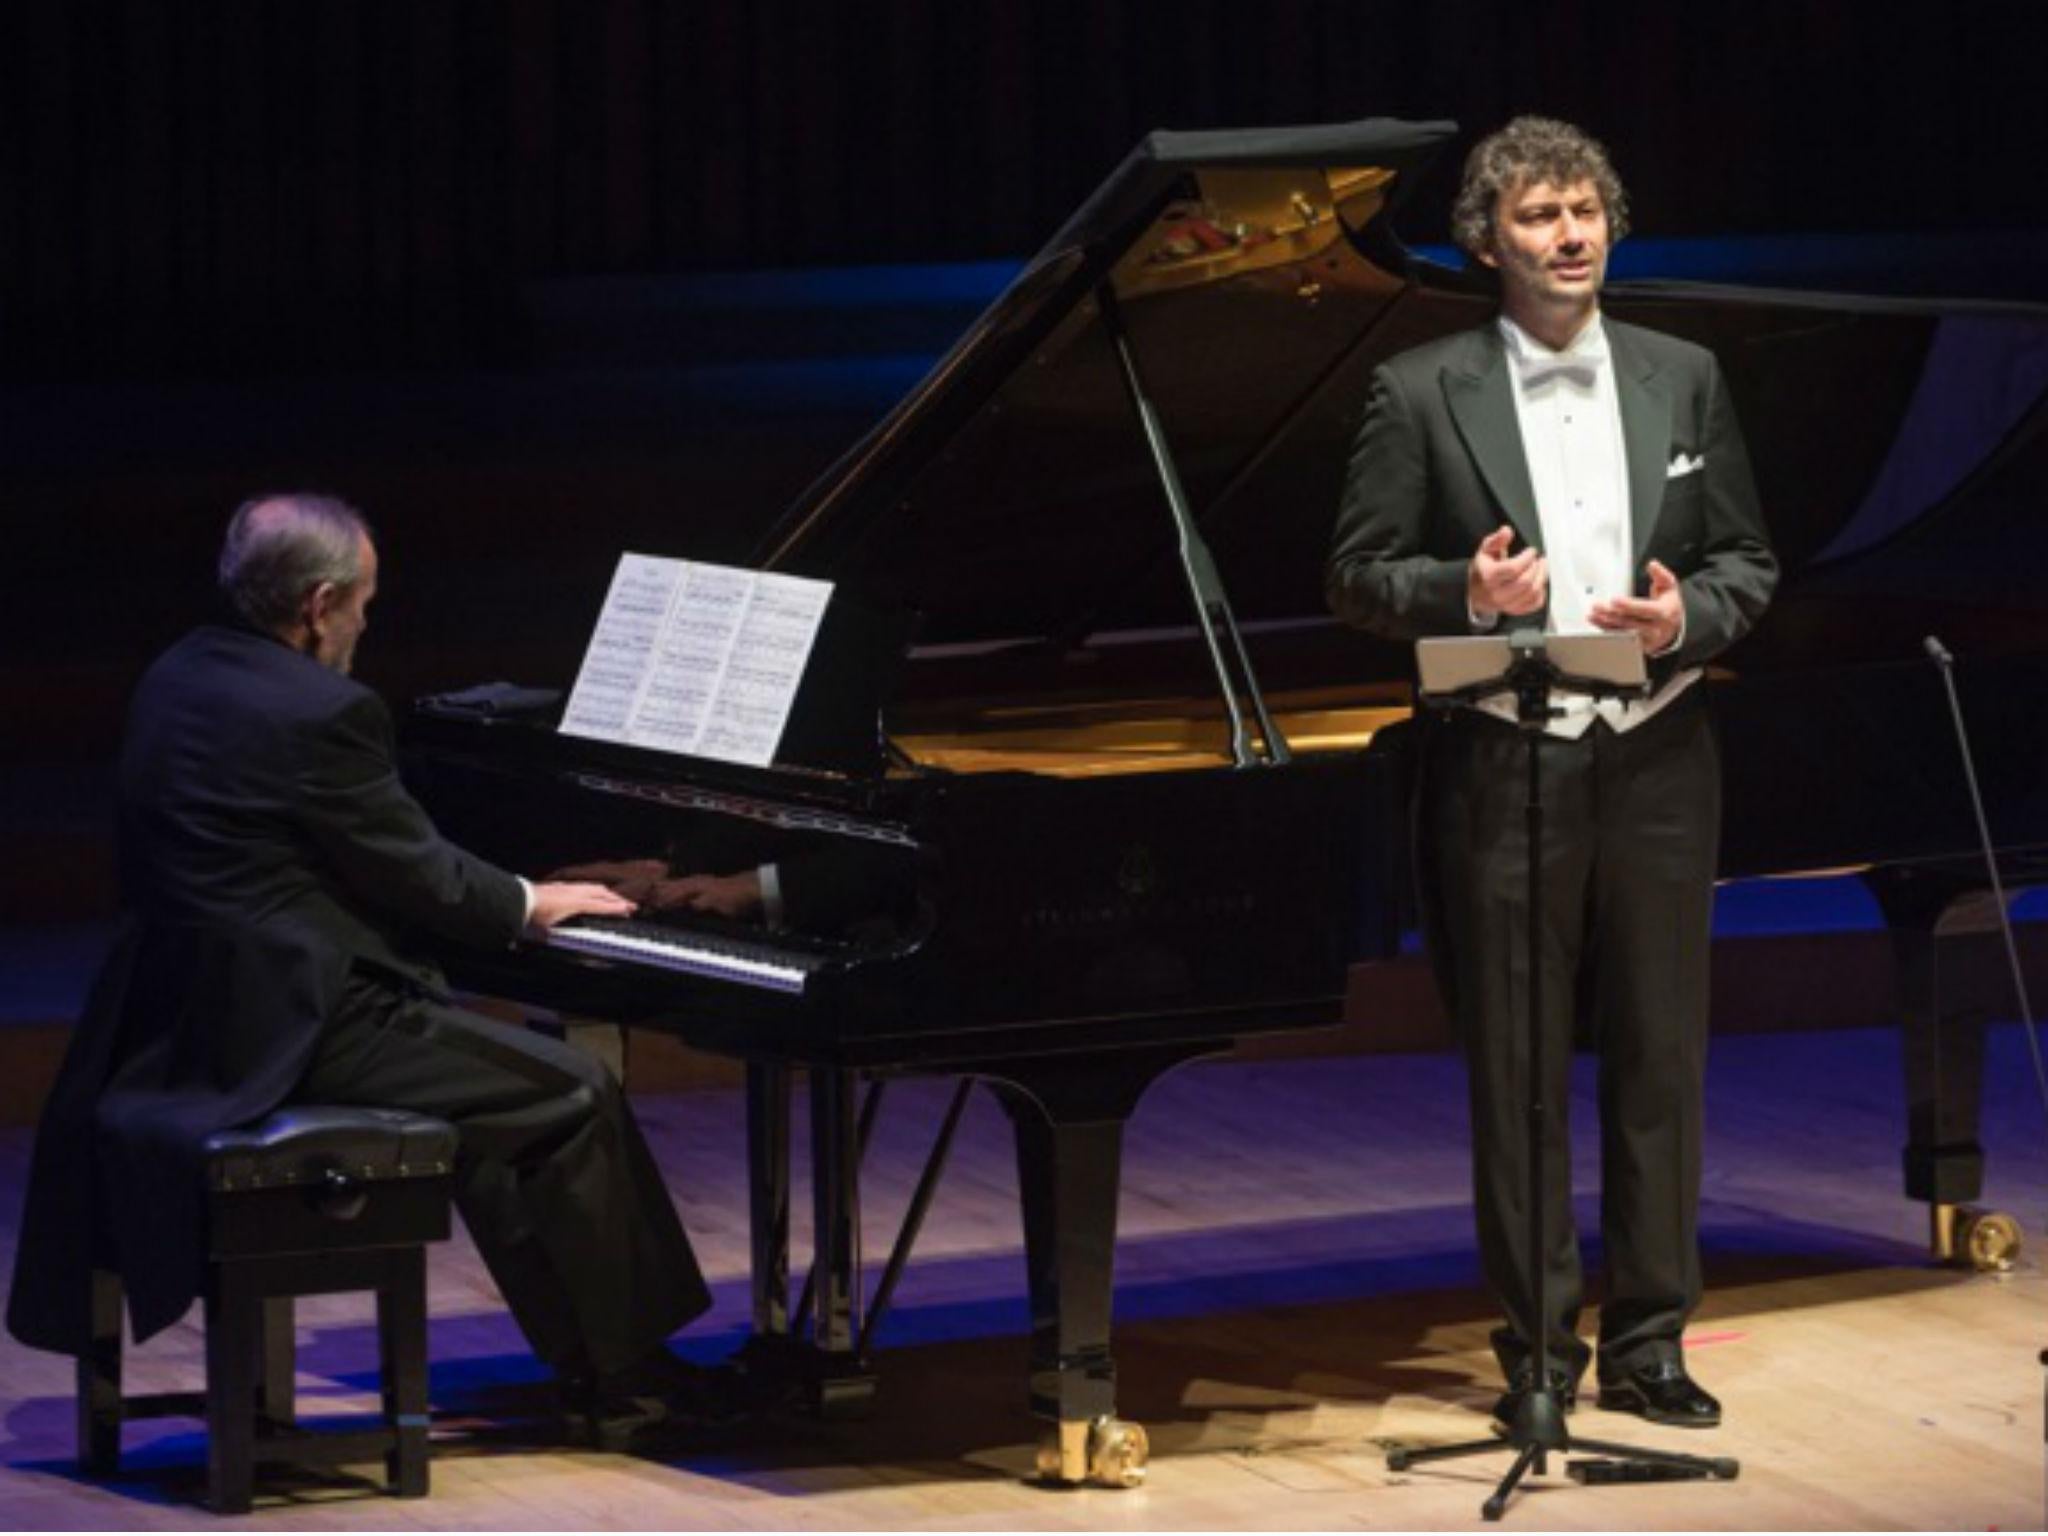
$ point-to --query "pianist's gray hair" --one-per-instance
(279, 548)
(1532, 149)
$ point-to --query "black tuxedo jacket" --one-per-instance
(267, 852)
(1439, 464)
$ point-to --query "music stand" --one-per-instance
(1462, 674)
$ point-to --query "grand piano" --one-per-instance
(1085, 783)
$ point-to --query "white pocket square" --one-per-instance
(1684, 465)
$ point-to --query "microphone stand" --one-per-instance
(1538, 1430)
(1945, 660)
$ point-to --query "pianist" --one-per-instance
(1554, 469)
(280, 889)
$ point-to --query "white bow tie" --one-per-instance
(1579, 367)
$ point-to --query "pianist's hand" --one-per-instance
(1497, 582)
(634, 879)
(556, 900)
(1657, 620)
(737, 895)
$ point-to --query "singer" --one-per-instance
(1554, 470)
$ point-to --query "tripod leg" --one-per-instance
(1723, 1467)
(1493, 1507)
(1400, 1460)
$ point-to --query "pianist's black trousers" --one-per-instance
(1631, 834)
(553, 1178)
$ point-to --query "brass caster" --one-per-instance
(1991, 1240)
(1118, 1453)
(1108, 1452)
(1974, 1238)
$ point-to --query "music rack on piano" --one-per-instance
(1107, 817)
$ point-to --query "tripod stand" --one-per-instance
(1463, 674)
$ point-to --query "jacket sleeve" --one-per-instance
(379, 841)
(1381, 576)
(1729, 590)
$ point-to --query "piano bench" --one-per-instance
(309, 1201)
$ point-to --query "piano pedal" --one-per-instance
(828, 1384)
(842, 1388)
(1108, 1452)
(1970, 1237)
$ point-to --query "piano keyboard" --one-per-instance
(750, 962)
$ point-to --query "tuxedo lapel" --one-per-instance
(1478, 394)
(1645, 396)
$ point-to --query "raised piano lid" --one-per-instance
(1009, 500)
(1901, 451)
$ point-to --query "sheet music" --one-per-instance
(764, 664)
(694, 658)
(616, 664)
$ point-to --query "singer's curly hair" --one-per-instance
(1531, 149)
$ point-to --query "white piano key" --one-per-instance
(679, 954)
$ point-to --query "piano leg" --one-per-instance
(1069, 1122)
(824, 1368)
(842, 1386)
(1069, 1177)
(1952, 982)
(768, 1196)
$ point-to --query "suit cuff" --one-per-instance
(771, 895)
(526, 899)
(1678, 641)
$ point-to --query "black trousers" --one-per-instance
(1631, 835)
(553, 1178)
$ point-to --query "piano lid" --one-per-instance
(1010, 497)
(1901, 454)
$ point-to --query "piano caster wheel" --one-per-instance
(1974, 1238)
(1118, 1453)
(1108, 1452)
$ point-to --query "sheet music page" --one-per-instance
(765, 665)
(702, 659)
(689, 659)
(615, 666)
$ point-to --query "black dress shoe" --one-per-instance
(1663, 1393)
(645, 1405)
(625, 1426)
(1523, 1377)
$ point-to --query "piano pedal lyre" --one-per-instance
(1108, 1452)
(1971, 1237)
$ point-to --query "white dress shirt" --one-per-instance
(1570, 420)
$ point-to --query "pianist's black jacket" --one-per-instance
(267, 851)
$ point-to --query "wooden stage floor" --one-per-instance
(1296, 1289)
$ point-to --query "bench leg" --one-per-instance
(278, 1386)
(233, 1319)
(99, 1381)
(402, 1344)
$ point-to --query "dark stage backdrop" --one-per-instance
(228, 184)
(445, 257)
